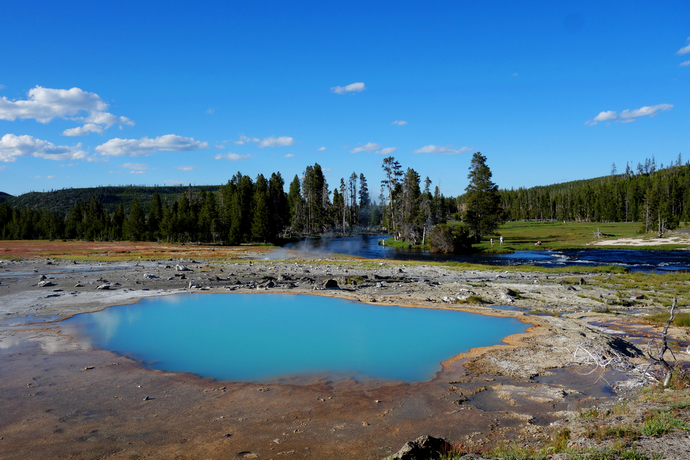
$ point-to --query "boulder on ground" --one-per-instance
(181, 268)
(46, 283)
(103, 287)
(426, 447)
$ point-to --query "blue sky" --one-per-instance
(155, 93)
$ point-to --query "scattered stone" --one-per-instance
(103, 287)
(181, 268)
(46, 283)
(150, 276)
(78, 285)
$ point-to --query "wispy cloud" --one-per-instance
(685, 49)
(12, 147)
(136, 166)
(232, 156)
(83, 130)
(186, 168)
(210, 111)
(628, 116)
(684, 64)
(386, 151)
(321, 149)
(145, 146)
(399, 123)
(351, 88)
(368, 147)
(218, 146)
(289, 155)
(443, 150)
(245, 140)
(46, 104)
(273, 141)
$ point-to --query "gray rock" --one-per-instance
(46, 283)
(103, 287)
(426, 447)
(181, 268)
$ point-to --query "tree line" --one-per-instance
(244, 210)
(652, 196)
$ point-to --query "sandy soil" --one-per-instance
(673, 238)
(61, 398)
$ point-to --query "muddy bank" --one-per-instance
(62, 399)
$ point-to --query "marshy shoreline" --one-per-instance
(63, 398)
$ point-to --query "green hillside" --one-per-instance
(62, 201)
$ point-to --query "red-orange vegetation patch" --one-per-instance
(95, 250)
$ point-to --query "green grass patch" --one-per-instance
(682, 319)
(661, 421)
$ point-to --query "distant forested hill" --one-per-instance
(62, 201)
(4, 196)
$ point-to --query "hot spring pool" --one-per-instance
(262, 337)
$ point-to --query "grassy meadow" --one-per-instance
(522, 236)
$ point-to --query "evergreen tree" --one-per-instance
(135, 226)
(484, 214)
(261, 225)
(153, 223)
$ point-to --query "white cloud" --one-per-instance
(399, 123)
(685, 49)
(219, 146)
(3, 166)
(2, 86)
(186, 168)
(386, 151)
(273, 141)
(515, 74)
(627, 115)
(321, 149)
(351, 88)
(232, 156)
(684, 64)
(46, 104)
(245, 140)
(289, 155)
(368, 147)
(136, 166)
(12, 146)
(646, 110)
(442, 150)
(145, 146)
(606, 116)
(50, 177)
(83, 130)
(210, 111)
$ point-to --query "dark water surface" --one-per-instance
(259, 337)
(632, 259)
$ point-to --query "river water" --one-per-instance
(632, 259)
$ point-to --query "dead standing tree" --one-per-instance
(663, 348)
